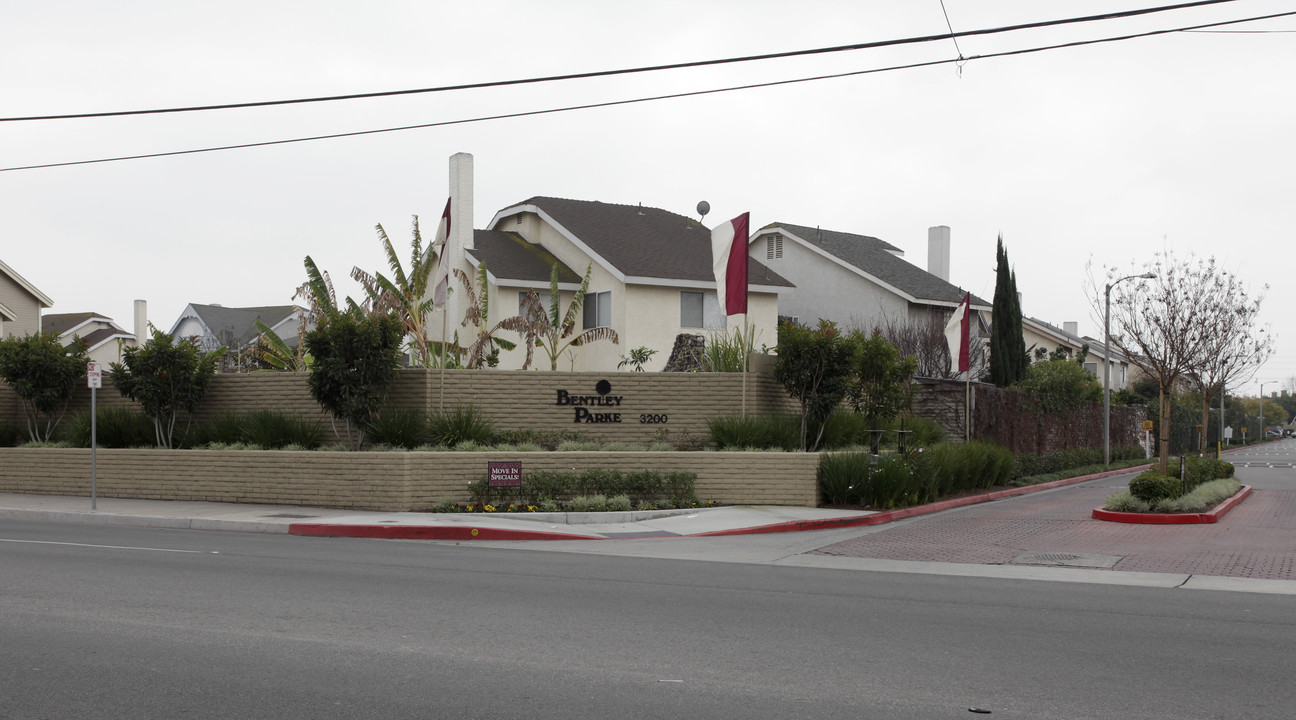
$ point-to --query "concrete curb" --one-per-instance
(1175, 518)
(148, 521)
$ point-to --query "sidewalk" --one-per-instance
(701, 522)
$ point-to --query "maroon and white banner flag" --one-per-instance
(442, 289)
(729, 258)
(958, 333)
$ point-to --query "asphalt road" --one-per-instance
(112, 622)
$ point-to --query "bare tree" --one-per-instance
(1235, 348)
(1162, 324)
(925, 341)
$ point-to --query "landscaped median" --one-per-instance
(1150, 518)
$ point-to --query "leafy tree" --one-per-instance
(43, 375)
(1008, 358)
(879, 383)
(486, 346)
(551, 329)
(1059, 385)
(167, 378)
(407, 295)
(357, 357)
(814, 366)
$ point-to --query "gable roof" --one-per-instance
(878, 260)
(41, 297)
(1096, 347)
(234, 326)
(64, 322)
(637, 244)
(508, 255)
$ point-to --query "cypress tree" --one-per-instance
(1008, 359)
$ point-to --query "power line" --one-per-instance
(643, 69)
(632, 101)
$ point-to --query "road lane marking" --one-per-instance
(110, 547)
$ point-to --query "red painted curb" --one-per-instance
(901, 513)
(427, 532)
(1175, 518)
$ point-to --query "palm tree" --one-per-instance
(404, 294)
(551, 327)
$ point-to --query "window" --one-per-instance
(773, 247)
(544, 304)
(1091, 368)
(598, 309)
(701, 310)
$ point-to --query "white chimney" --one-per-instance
(1071, 327)
(141, 322)
(938, 251)
(461, 201)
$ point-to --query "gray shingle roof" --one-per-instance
(233, 326)
(876, 258)
(645, 242)
(507, 255)
(62, 322)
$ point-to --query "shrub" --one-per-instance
(841, 477)
(275, 429)
(922, 432)
(463, 423)
(1123, 501)
(403, 428)
(1151, 486)
(115, 427)
(618, 503)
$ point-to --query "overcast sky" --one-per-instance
(1105, 152)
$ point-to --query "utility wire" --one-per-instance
(644, 69)
(613, 103)
(953, 37)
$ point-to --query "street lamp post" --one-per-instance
(1107, 361)
(1261, 436)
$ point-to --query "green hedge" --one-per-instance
(643, 487)
(891, 481)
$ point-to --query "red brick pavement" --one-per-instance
(1256, 540)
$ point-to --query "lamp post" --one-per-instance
(1261, 436)
(1107, 361)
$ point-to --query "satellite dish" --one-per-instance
(703, 208)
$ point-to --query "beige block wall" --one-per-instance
(376, 481)
(513, 400)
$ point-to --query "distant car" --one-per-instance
(1273, 434)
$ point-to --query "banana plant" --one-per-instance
(405, 294)
(552, 330)
(486, 346)
(271, 349)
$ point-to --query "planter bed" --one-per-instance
(1150, 518)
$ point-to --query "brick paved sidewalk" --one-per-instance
(1256, 540)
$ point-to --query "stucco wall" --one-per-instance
(375, 481)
